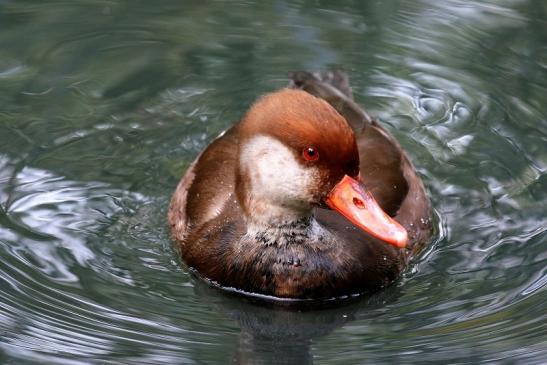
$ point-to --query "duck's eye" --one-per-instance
(310, 154)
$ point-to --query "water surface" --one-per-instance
(104, 104)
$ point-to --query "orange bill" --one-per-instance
(351, 199)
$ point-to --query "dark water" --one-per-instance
(103, 104)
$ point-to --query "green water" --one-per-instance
(103, 104)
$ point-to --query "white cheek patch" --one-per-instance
(276, 176)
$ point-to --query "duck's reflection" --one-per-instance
(283, 333)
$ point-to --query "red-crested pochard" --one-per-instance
(305, 197)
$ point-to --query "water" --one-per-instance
(104, 104)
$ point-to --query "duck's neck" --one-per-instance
(271, 222)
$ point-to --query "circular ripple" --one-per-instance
(100, 117)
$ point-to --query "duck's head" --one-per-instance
(297, 153)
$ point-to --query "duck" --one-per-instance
(306, 197)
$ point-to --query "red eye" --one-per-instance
(310, 154)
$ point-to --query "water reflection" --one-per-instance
(285, 333)
(105, 104)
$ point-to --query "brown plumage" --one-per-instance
(245, 219)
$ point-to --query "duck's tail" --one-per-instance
(332, 86)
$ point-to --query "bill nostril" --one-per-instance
(358, 203)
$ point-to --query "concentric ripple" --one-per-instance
(105, 104)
